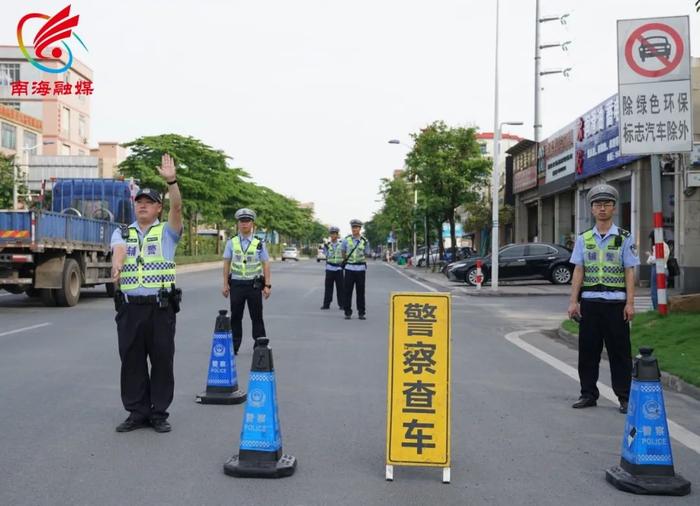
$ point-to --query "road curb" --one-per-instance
(669, 381)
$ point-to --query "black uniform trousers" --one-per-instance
(146, 333)
(354, 279)
(603, 322)
(334, 278)
(242, 292)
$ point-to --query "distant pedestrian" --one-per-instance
(333, 251)
(605, 257)
(355, 251)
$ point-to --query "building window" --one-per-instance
(30, 143)
(9, 136)
(65, 121)
(65, 149)
(82, 129)
(9, 72)
(11, 104)
(482, 147)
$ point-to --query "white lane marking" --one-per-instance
(411, 279)
(677, 432)
(37, 326)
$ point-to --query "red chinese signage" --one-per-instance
(46, 88)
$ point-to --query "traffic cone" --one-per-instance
(260, 453)
(646, 464)
(222, 381)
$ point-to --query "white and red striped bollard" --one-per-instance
(479, 276)
(660, 263)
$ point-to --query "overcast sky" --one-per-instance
(305, 94)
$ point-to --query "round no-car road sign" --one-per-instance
(654, 50)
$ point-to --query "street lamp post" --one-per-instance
(15, 172)
(415, 201)
(495, 174)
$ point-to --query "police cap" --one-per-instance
(245, 214)
(602, 192)
(150, 193)
(334, 230)
(355, 223)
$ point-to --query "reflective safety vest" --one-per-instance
(358, 255)
(145, 266)
(603, 268)
(335, 253)
(245, 265)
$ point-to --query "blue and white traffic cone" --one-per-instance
(260, 454)
(646, 464)
(222, 381)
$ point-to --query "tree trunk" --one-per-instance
(441, 244)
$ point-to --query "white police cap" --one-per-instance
(355, 223)
(601, 192)
(335, 230)
(245, 213)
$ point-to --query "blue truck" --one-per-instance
(53, 254)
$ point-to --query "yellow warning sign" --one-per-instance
(418, 400)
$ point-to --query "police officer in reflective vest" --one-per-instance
(605, 257)
(334, 270)
(143, 266)
(246, 277)
(355, 249)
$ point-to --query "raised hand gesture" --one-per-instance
(167, 168)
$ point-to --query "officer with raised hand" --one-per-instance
(355, 249)
(334, 270)
(143, 266)
(246, 277)
(605, 257)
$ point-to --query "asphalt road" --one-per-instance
(515, 438)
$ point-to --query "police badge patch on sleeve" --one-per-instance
(634, 250)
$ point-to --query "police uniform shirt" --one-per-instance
(630, 258)
(262, 254)
(347, 249)
(327, 250)
(170, 239)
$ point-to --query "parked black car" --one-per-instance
(519, 261)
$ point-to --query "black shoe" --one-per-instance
(362, 317)
(584, 402)
(347, 316)
(325, 307)
(623, 407)
(161, 425)
(130, 424)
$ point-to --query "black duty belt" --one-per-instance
(141, 299)
(357, 263)
(241, 282)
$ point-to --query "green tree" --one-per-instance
(6, 181)
(450, 169)
(213, 191)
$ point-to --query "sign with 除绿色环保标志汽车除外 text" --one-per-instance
(655, 99)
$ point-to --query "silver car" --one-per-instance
(290, 253)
